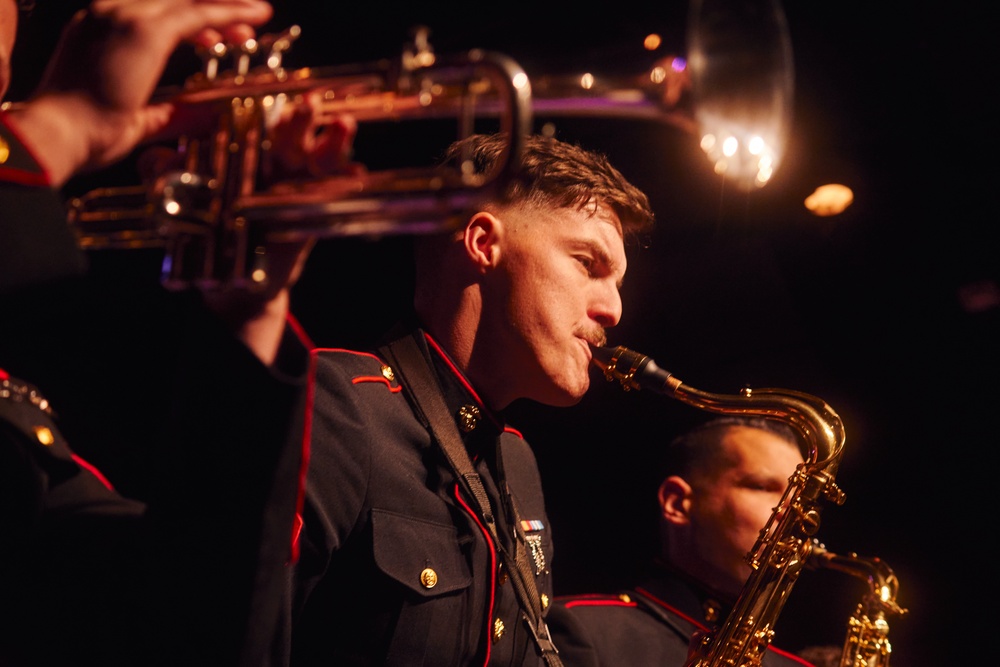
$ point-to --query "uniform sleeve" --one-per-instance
(340, 462)
(36, 245)
(182, 419)
(224, 476)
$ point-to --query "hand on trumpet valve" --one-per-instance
(303, 141)
(306, 142)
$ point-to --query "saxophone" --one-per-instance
(786, 542)
(867, 643)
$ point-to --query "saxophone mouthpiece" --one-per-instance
(632, 369)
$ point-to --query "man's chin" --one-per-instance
(568, 396)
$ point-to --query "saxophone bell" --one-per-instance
(867, 641)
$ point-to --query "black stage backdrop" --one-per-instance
(890, 312)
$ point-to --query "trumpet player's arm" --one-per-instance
(92, 106)
(216, 470)
(91, 109)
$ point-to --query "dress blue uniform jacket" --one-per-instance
(148, 485)
(395, 567)
(649, 626)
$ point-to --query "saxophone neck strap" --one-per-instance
(417, 376)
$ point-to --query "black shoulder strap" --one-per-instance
(419, 380)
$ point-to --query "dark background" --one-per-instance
(889, 312)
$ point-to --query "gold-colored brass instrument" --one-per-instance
(867, 642)
(786, 542)
(213, 214)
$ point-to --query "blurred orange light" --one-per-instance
(831, 199)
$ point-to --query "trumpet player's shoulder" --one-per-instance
(37, 246)
(355, 367)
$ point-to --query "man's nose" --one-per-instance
(606, 309)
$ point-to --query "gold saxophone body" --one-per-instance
(867, 642)
(786, 542)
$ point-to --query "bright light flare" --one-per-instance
(746, 154)
(830, 199)
(741, 67)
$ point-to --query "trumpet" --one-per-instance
(214, 215)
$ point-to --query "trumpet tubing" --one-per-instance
(217, 203)
(220, 199)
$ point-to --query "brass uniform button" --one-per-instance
(4, 150)
(44, 435)
(468, 418)
(502, 575)
(498, 630)
(387, 373)
(624, 598)
(428, 578)
(545, 601)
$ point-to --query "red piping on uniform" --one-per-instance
(307, 434)
(377, 378)
(300, 496)
(80, 461)
(790, 656)
(663, 604)
(94, 471)
(460, 376)
(493, 567)
(304, 338)
(600, 602)
(300, 331)
(346, 351)
(21, 176)
(508, 429)
(700, 626)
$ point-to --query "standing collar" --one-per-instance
(687, 593)
(458, 390)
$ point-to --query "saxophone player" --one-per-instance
(720, 483)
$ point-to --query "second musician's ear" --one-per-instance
(675, 500)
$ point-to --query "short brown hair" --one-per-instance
(556, 173)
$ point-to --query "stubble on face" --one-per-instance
(551, 294)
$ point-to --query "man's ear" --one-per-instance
(480, 239)
(675, 500)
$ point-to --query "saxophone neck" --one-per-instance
(819, 426)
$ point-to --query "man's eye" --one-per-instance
(586, 262)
